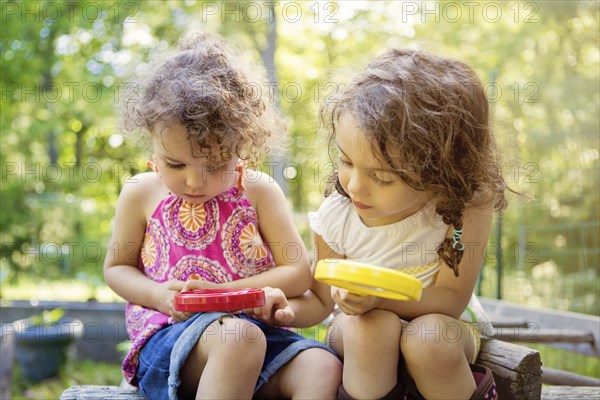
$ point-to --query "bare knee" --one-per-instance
(231, 346)
(433, 339)
(321, 365)
(376, 329)
(373, 325)
(231, 337)
(242, 336)
(313, 373)
(323, 374)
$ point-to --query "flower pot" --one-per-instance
(41, 349)
(7, 352)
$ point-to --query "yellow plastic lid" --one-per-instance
(368, 280)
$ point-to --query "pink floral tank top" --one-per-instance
(218, 240)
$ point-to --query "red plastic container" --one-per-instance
(205, 300)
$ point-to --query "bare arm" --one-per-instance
(121, 270)
(316, 304)
(450, 295)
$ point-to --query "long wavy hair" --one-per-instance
(206, 87)
(427, 118)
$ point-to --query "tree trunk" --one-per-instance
(268, 57)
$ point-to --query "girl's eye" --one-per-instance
(383, 180)
(344, 162)
(383, 183)
(175, 166)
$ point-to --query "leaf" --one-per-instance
(47, 317)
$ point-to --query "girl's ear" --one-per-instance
(240, 167)
(152, 164)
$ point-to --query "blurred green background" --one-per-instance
(64, 158)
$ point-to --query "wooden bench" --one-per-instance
(570, 392)
(553, 337)
(517, 371)
(91, 392)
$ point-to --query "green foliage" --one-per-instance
(565, 360)
(64, 158)
(47, 317)
(73, 373)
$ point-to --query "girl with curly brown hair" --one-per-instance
(199, 213)
(417, 183)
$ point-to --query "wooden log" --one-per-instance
(544, 336)
(553, 376)
(517, 372)
(517, 369)
(91, 392)
(570, 392)
(509, 323)
(548, 319)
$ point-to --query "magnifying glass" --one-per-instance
(369, 280)
(205, 300)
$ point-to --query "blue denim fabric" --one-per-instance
(155, 356)
(164, 354)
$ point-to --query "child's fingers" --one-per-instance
(194, 284)
(186, 315)
(285, 315)
(344, 296)
(275, 310)
(178, 316)
(346, 309)
(352, 303)
(175, 285)
(264, 312)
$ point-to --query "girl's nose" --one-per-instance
(195, 178)
(356, 184)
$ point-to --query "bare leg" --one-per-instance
(226, 361)
(370, 346)
(312, 374)
(436, 349)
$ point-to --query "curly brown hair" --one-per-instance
(207, 88)
(427, 118)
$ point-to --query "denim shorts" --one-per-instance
(166, 351)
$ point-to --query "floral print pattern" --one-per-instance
(243, 248)
(209, 270)
(218, 240)
(193, 226)
(155, 250)
(192, 216)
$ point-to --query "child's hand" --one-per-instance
(175, 286)
(195, 283)
(353, 304)
(165, 298)
(165, 295)
(276, 310)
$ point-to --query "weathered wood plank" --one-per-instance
(517, 369)
(570, 392)
(548, 319)
(91, 392)
(509, 323)
(553, 376)
(534, 335)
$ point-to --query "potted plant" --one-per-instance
(42, 342)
